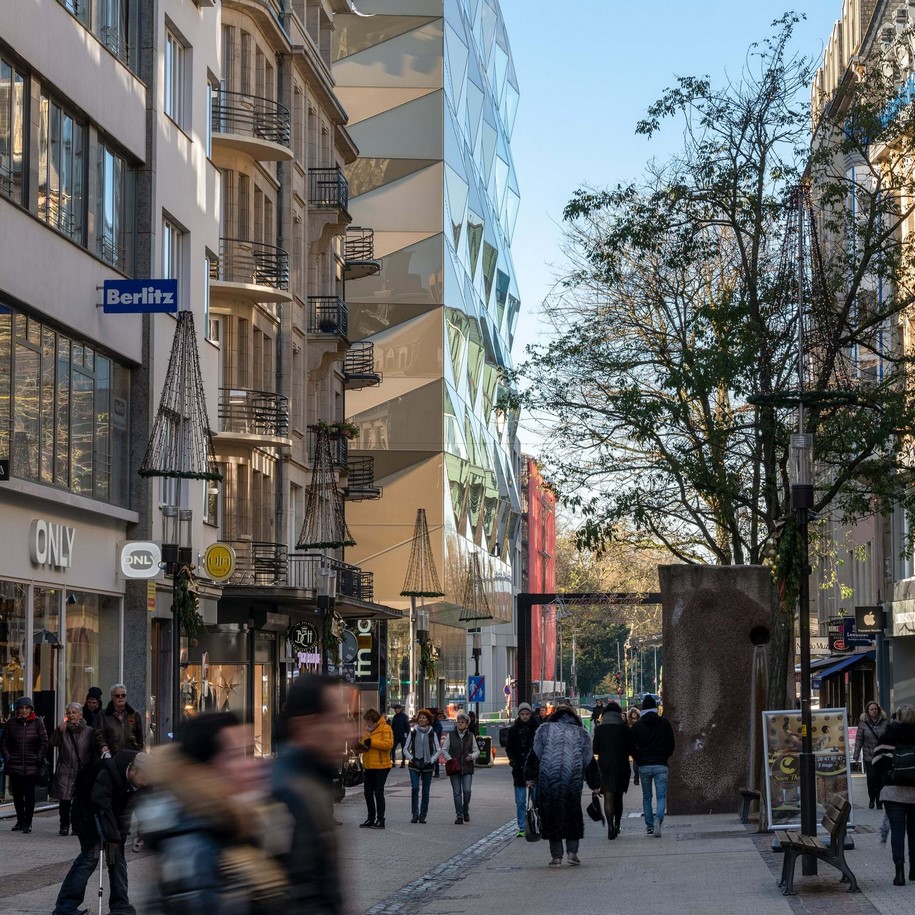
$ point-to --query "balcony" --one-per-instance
(359, 367)
(327, 314)
(359, 254)
(339, 449)
(259, 564)
(250, 270)
(328, 187)
(256, 126)
(360, 480)
(262, 416)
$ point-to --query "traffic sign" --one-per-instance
(476, 689)
(219, 561)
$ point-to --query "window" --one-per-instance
(208, 262)
(61, 162)
(173, 102)
(245, 64)
(12, 134)
(211, 500)
(113, 19)
(115, 207)
(172, 251)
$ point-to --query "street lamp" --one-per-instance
(422, 636)
(176, 553)
(477, 635)
(327, 601)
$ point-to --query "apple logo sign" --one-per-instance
(870, 619)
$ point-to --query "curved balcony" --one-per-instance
(261, 417)
(250, 124)
(251, 270)
(327, 314)
(359, 254)
(360, 480)
(359, 367)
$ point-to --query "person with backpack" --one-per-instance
(459, 751)
(421, 750)
(24, 749)
(894, 760)
(871, 726)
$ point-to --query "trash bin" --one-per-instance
(484, 744)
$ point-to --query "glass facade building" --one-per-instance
(431, 92)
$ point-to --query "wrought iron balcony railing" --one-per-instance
(328, 187)
(259, 563)
(251, 262)
(359, 366)
(339, 448)
(359, 244)
(304, 572)
(360, 480)
(327, 314)
(250, 116)
(253, 412)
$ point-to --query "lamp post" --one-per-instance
(422, 636)
(327, 600)
(477, 635)
(176, 553)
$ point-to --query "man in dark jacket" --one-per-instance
(315, 728)
(518, 744)
(120, 727)
(24, 749)
(653, 745)
(102, 805)
(400, 725)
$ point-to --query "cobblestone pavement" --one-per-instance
(702, 864)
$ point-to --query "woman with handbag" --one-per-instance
(460, 751)
(421, 750)
(613, 745)
(894, 760)
(871, 725)
(25, 751)
(375, 747)
(75, 742)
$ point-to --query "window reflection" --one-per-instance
(12, 642)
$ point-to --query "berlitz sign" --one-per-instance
(140, 559)
(51, 544)
(139, 296)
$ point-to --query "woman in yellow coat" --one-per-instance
(375, 746)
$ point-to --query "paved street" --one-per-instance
(706, 864)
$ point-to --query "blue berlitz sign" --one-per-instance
(130, 297)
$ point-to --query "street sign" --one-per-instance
(870, 619)
(132, 297)
(219, 561)
(476, 689)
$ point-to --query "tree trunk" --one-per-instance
(781, 657)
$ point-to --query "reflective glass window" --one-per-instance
(12, 130)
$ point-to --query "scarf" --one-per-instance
(421, 744)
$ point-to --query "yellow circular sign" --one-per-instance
(219, 561)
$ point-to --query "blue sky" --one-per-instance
(588, 70)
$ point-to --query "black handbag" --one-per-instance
(594, 810)
(352, 774)
(44, 775)
(533, 826)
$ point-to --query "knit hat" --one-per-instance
(524, 707)
(24, 701)
(648, 701)
(95, 692)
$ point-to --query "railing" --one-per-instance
(339, 449)
(305, 573)
(327, 314)
(253, 412)
(359, 363)
(115, 42)
(251, 116)
(111, 252)
(360, 480)
(244, 261)
(359, 244)
(259, 563)
(61, 217)
(328, 187)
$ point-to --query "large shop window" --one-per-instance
(12, 643)
(63, 410)
(93, 642)
(12, 134)
(61, 164)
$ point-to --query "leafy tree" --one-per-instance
(669, 388)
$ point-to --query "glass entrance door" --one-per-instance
(47, 655)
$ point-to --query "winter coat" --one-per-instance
(75, 750)
(381, 741)
(870, 734)
(92, 718)
(117, 734)
(613, 744)
(400, 725)
(218, 853)
(653, 739)
(558, 763)
(25, 745)
(897, 734)
(113, 796)
(434, 749)
(518, 744)
(303, 784)
(458, 747)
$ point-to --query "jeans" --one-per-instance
(398, 742)
(460, 788)
(658, 776)
(521, 804)
(73, 889)
(556, 847)
(902, 825)
(23, 788)
(415, 778)
(373, 789)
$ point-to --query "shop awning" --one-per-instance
(845, 663)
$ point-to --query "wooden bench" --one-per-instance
(794, 844)
(747, 797)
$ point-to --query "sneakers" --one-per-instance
(422, 820)
(26, 830)
(658, 827)
(63, 831)
(378, 824)
(649, 830)
(574, 860)
(458, 821)
(521, 834)
(368, 824)
(415, 818)
(17, 828)
(555, 862)
(466, 817)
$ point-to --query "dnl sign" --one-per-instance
(139, 296)
(140, 559)
(51, 544)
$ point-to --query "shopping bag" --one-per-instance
(533, 826)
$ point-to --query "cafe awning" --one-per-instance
(849, 661)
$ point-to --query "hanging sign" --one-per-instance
(870, 619)
(140, 559)
(835, 630)
(303, 637)
(219, 561)
(132, 297)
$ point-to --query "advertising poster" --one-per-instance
(782, 746)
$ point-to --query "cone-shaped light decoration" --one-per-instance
(324, 526)
(422, 579)
(475, 602)
(181, 443)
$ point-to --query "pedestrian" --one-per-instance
(459, 752)
(315, 728)
(653, 745)
(400, 725)
(871, 726)
(518, 745)
(212, 807)
(438, 725)
(2, 761)
(92, 707)
(633, 715)
(75, 743)
(375, 747)
(898, 793)
(474, 724)
(612, 744)
(540, 712)
(557, 766)
(596, 714)
(422, 749)
(120, 726)
(24, 750)
(103, 801)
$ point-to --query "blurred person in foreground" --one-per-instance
(219, 836)
(315, 727)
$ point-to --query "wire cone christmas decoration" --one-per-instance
(181, 443)
(475, 602)
(324, 526)
(422, 579)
